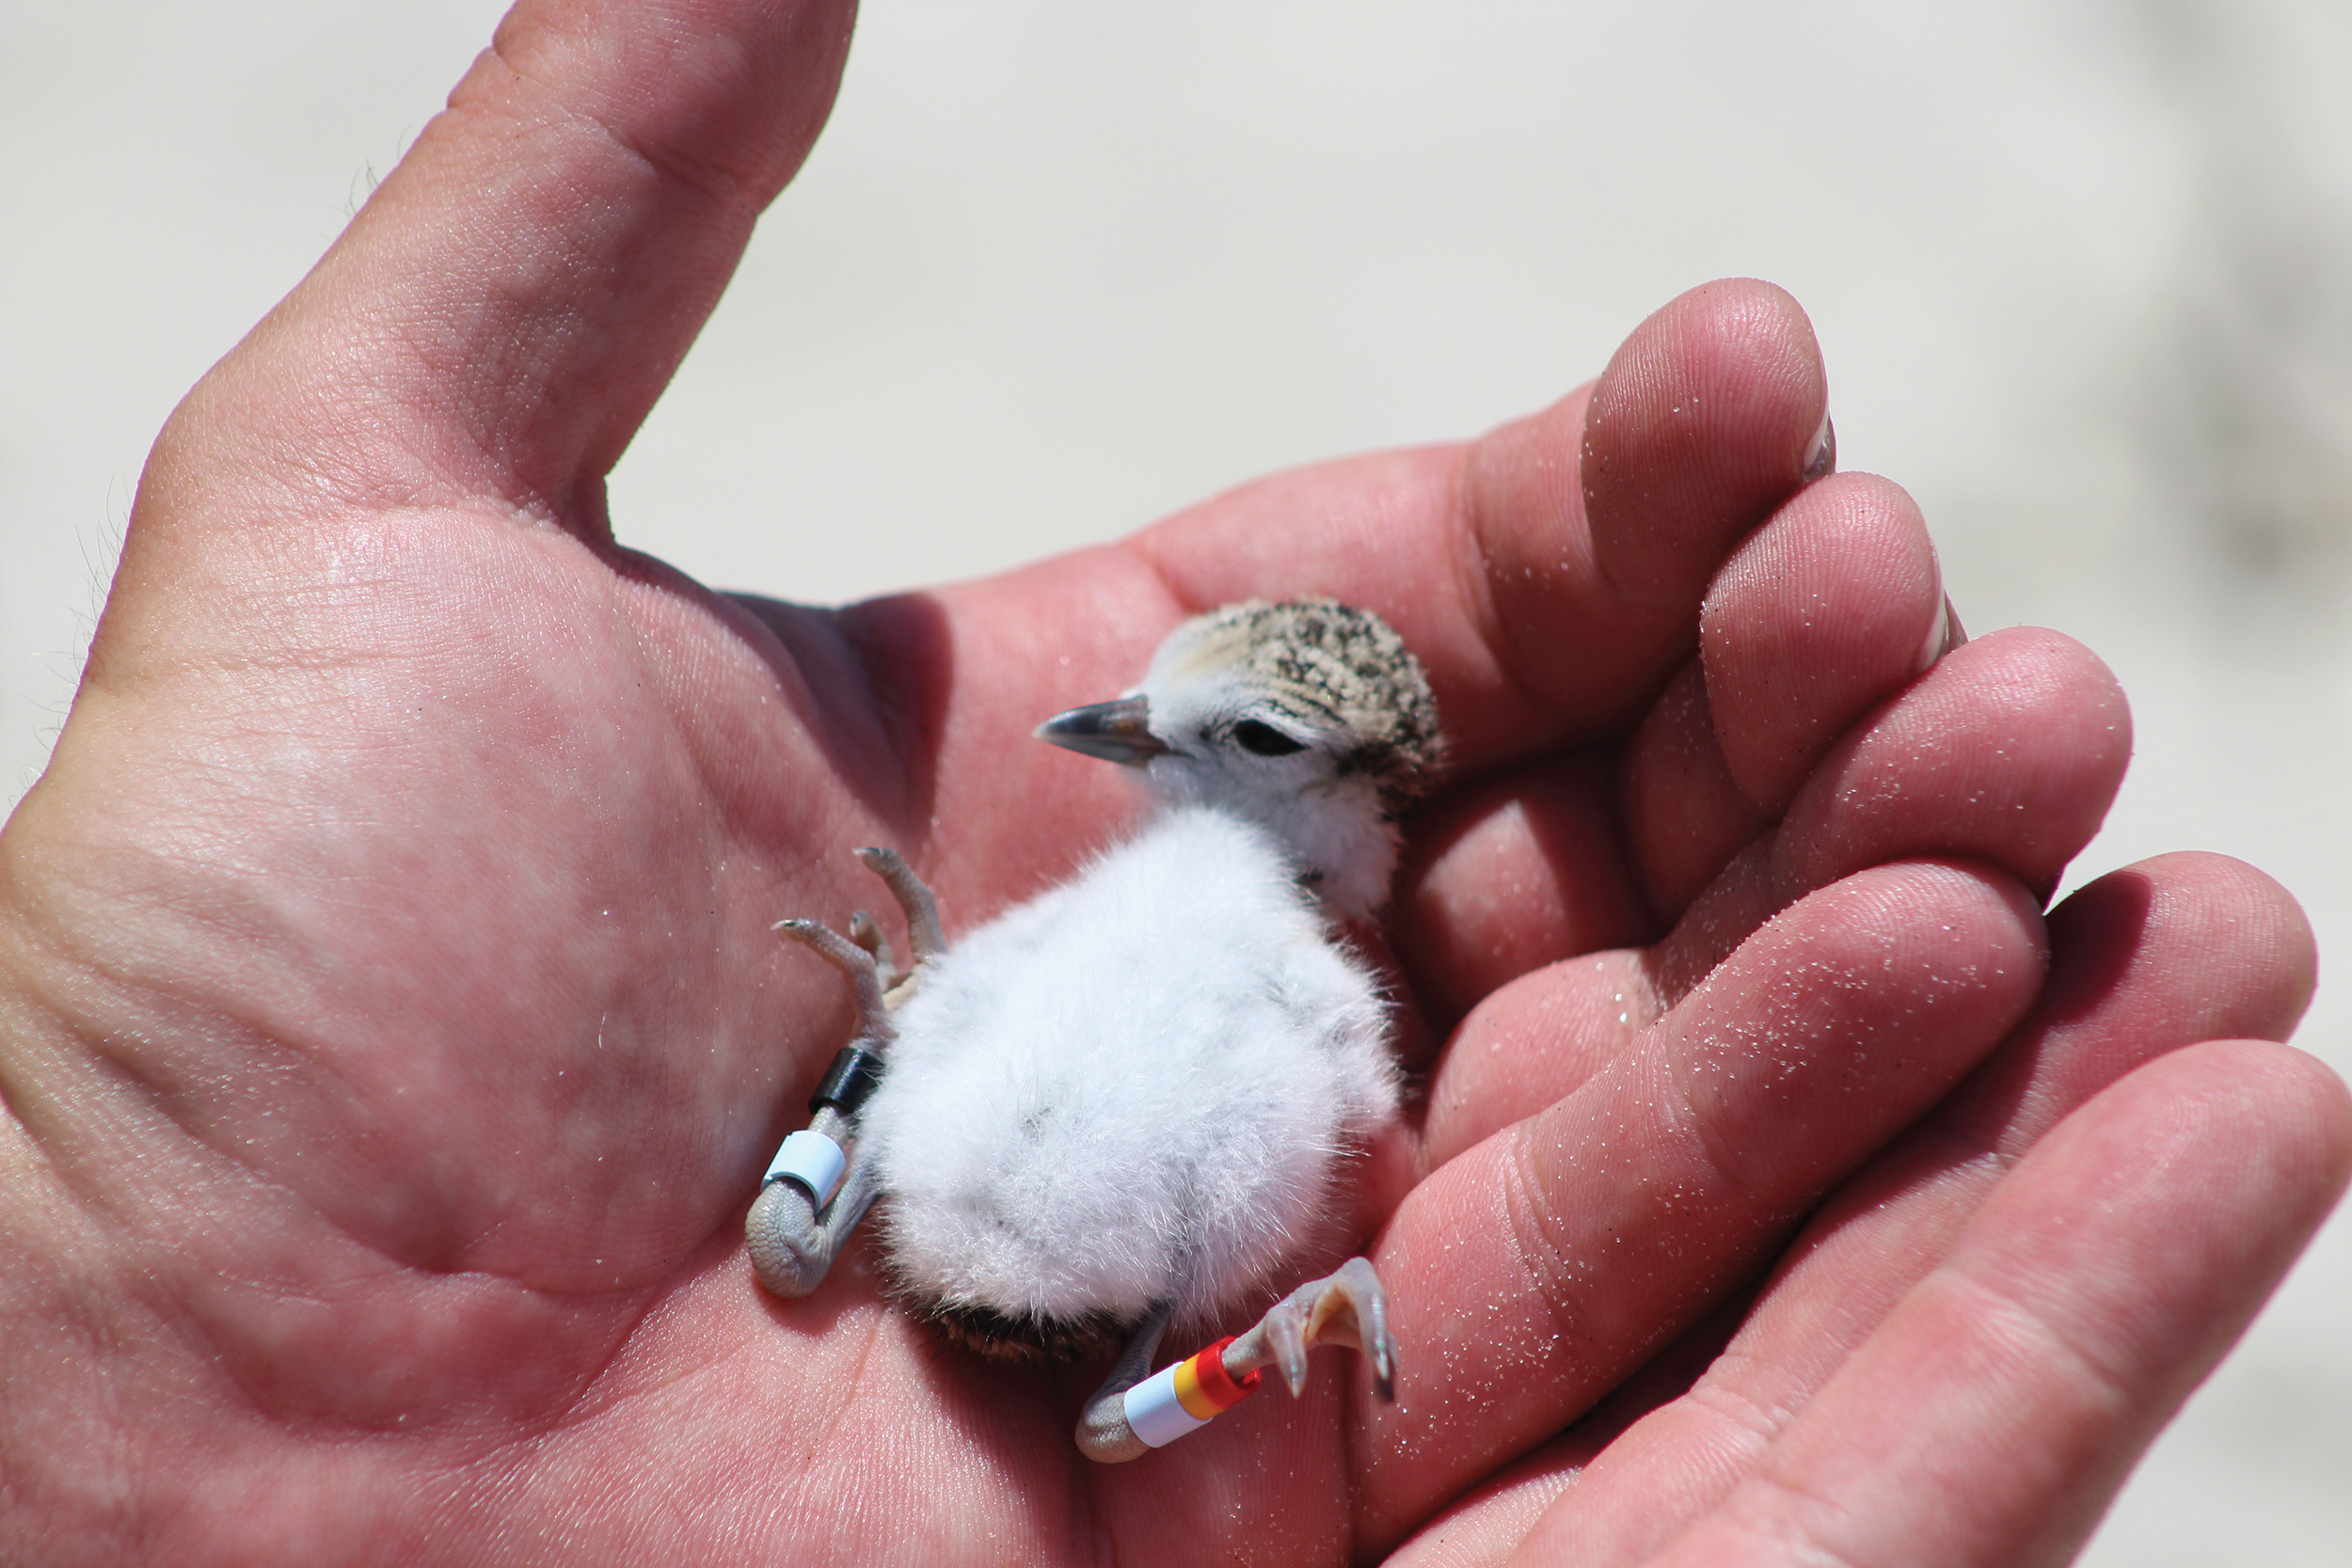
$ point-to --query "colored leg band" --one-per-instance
(1185, 1397)
(811, 1161)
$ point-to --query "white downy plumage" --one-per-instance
(1130, 1091)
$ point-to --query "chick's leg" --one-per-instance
(792, 1241)
(1103, 1433)
(820, 1183)
(1132, 1413)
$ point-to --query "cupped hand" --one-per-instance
(393, 1034)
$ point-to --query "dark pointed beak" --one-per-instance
(1115, 732)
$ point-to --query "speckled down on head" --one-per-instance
(1328, 660)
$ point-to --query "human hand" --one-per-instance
(394, 1032)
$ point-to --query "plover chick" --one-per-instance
(1126, 1104)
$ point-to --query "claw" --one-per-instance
(867, 933)
(856, 963)
(1347, 1308)
(922, 911)
(1372, 1331)
(1286, 1334)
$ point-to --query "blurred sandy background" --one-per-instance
(2083, 272)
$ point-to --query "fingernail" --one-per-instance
(1944, 635)
(1821, 459)
(1954, 633)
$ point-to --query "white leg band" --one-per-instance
(1154, 1412)
(812, 1160)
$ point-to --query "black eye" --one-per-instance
(1264, 740)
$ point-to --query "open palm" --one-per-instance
(393, 1034)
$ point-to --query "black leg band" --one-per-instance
(852, 1079)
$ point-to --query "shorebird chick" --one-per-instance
(1126, 1104)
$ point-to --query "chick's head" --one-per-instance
(1308, 717)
